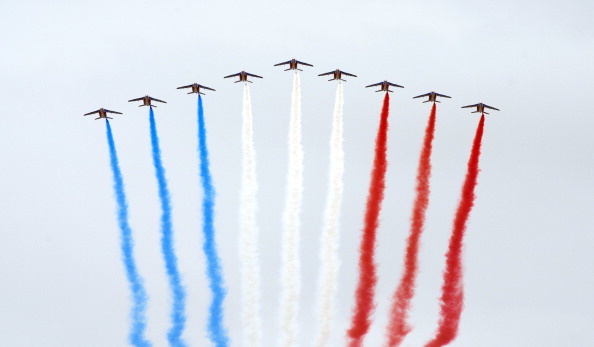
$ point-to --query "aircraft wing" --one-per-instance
(327, 73)
(188, 86)
(374, 85)
(286, 62)
(234, 75)
(139, 99)
(420, 96)
(348, 74)
(493, 108)
(207, 88)
(116, 112)
(249, 74)
(86, 114)
(395, 85)
(302, 63)
(475, 105)
(443, 96)
(157, 100)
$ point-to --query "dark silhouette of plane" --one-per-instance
(384, 86)
(480, 108)
(196, 88)
(432, 96)
(337, 75)
(146, 101)
(243, 76)
(102, 113)
(293, 64)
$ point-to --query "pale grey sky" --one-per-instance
(528, 253)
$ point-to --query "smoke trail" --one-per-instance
(178, 317)
(329, 257)
(452, 295)
(248, 236)
(216, 329)
(290, 252)
(367, 268)
(398, 326)
(139, 296)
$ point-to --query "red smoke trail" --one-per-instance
(398, 326)
(452, 295)
(367, 277)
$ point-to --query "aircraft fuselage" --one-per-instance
(195, 89)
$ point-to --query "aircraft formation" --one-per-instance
(337, 75)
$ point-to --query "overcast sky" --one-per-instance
(528, 252)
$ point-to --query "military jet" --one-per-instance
(432, 96)
(243, 76)
(480, 108)
(146, 101)
(337, 75)
(293, 64)
(103, 113)
(196, 88)
(384, 86)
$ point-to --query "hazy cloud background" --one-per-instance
(528, 255)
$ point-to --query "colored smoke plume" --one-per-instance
(178, 317)
(216, 329)
(291, 218)
(329, 250)
(361, 319)
(452, 296)
(135, 282)
(398, 326)
(248, 233)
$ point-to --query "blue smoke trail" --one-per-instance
(139, 296)
(178, 317)
(217, 332)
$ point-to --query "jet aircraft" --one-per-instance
(480, 108)
(293, 64)
(196, 88)
(432, 96)
(337, 75)
(146, 101)
(384, 86)
(243, 76)
(103, 113)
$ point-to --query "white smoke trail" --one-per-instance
(329, 256)
(290, 252)
(248, 238)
